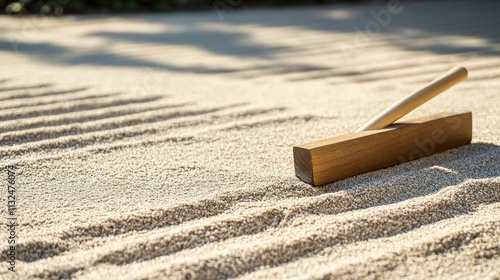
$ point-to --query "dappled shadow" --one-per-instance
(52, 53)
(418, 27)
(225, 43)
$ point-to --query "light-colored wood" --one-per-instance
(336, 158)
(415, 99)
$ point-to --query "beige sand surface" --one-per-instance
(160, 146)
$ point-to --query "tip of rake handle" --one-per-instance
(416, 98)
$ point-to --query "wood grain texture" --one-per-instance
(336, 158)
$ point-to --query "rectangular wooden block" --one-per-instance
(336, 158)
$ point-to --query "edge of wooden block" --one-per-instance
(304, 154)
(303, 164)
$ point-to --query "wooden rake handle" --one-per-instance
(415, 99)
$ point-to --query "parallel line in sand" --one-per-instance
(452, 242)
(112, 135)
(415, 76)
(35, 103)
(253, 222)
(401, 69)
(398, 188)
(243, 255)
(150, 113)
(250, 252)
(85, 116)
(158, 218)
(14, 97)
(440, 238)
(130, 120)
(178, 239)
(15, 88)
(73, 106)
(358, 76)
(356, 69)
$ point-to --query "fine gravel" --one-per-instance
(159, 146)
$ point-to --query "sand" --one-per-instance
(160, 146)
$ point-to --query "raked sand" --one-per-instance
(160, 146)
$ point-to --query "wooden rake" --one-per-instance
(381, 143)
